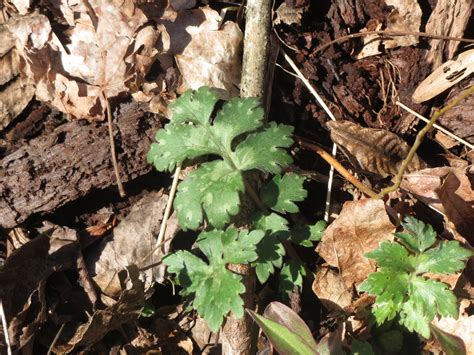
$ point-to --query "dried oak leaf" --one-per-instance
(448, 190)
(374, 150)
(360, 227)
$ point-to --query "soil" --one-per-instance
(61, 171)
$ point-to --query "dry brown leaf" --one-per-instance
(405, 16)
(374, 150)
(445, 140)
(126, 309)
(361, 226)
(449, 18)
(330, 289)
(423, 185)
(457, 196)
(9, 66)
(448, 190)
(14, 98)
(288, 15)
(212, 57)
(133, 242)
(23, 278)
(107, 51)
(206, 52)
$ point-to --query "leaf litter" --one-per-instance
(359, 228)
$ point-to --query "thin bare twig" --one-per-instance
(112, 148)
(334, 163)
(55, 340)
(419, 139)
(5, 329)
(389, 34)
(169, 204)
(331, 116)
(438, 127)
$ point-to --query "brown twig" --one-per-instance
(419, 139)
(389, 33)
(341, 170)
(112, 148)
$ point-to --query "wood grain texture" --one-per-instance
(70, 162)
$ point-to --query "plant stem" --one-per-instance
(419, 139)
(112, 148)
(388, 34)
(341, 170)
(236, 336)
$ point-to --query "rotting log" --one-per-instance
(70, 162)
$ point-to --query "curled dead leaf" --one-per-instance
(374, 150)
(448, 190)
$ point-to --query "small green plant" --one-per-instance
(211, 196)
(400, 285)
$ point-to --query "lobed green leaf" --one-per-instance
(281, 193)
(212, 189)
(420, 236)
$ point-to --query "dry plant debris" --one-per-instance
(374, 150)
(360, 227)
(84, 52)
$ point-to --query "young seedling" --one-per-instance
(401, 286)
(211, 196)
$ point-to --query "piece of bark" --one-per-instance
(70, 162)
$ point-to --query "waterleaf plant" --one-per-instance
(235, 141)
(400, 284)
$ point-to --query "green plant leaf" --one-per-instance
(305, 235)
(194, 106)
(392, 256)
(214, 187)
(178, 143)
(265, 150)
(238, 116)
(291, 275)
(451, 344)
(236, 135)
(361, 348)
(391, 289)
(446, 258)
(270, 250)
(398, 286)
(420, 236)
(216, 290)
(281, 193)
(285, 330)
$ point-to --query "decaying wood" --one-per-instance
(69, 163)
(374, 150)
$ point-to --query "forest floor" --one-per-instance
(79, 267)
